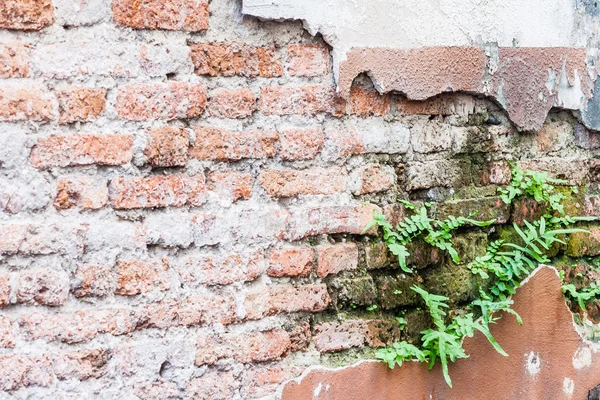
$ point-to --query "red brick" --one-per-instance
(93, 280)
(25, 103)
(314, 181)
(222, 145)
(5, 289)
(74, 150)
(230, 59)
(375, 178)
(368, 102)
(157, 191)
(300, 336)
(44, 286)
(336, 258)
(223, 103)
(245, 348)
(192, 311)
(278, 299)
(168, 101)
(261, 382)
(355, 333)
(292, 262)
(174, 15)
(26, 15)
(8, 337)
(82, 192)
(137, 277)
(80, 104)
(231, 185)
(497, 173)
(308, 60)
(300, 144)
(222, 270)
(14, 60)
(167, 147)
(299, 100)
(213, 385)
(305, 222)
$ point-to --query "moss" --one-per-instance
(353, 291)
(394, 290)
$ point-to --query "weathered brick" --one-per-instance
(169, 229)
(526, 209)
(8, 337)
(80, 104)
(300, 100)
(300, 144)
(168, 101)
(308, 60)
(377, 255)
(221, 144)
(337, 336)
(223, 103)
(93, 280)
(313, 181)
(430, 137)
(174, 15)
(74, 150)
(167, 147)
(368, 102)
(26, 15)
(365, 136)
(336, 258)
(157, 191)
(25, 102)
(300, 336)
(486, 209)
(230, 185)
(192, 311)
(82, 192)
(352, 292)
(14, 60)
(584, 244)
(554, 136)
(261, 382)
(214, 384)
(374, 178)
(157, 390)
(444, 173)
(305, 222)
(38, 239)
(574, 171)
(245, 348)
(5, 289)
(292, 262)
(213, 270)
(585, 138)
(496, 173)
(444, 104)
(278, 299)
(44, 286)
(230, 59)
(137, 277)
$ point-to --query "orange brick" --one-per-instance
(157, 191)
(231, 185)
(167, 147)
(23, 103)
(14, 60)
(336, 258)
(224, 103)
(26, 15)
(368, 102)
(137, 277)
(221, 144)
(82, 192)
(245, 348)
(279, 299)
(300, 144)
(292, 262)
(230, 59)
(71, 150)
(168, 101)
(308, 60)
(299, 100)
(375, 178)
(313, 181)
(80, 104)
(174, 15)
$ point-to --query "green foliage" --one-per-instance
(504, 265)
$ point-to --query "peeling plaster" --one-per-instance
(528, 56)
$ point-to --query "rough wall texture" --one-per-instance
(182, 194)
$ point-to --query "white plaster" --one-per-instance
(569, 386)
(582, 358)
(534, 363)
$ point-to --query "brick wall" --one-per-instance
(182, 195)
